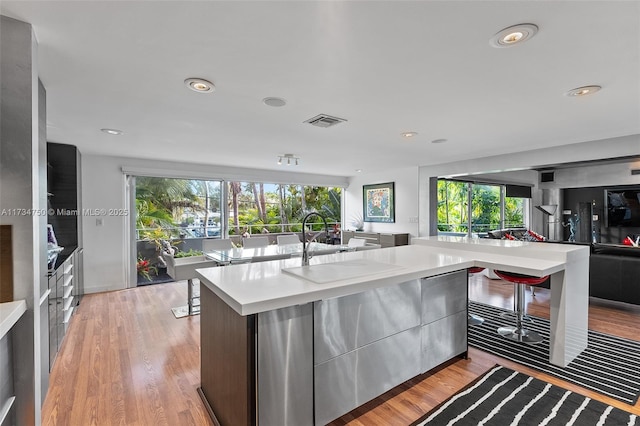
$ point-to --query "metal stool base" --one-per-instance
(474, 319)
(520, 335)
(512, 316)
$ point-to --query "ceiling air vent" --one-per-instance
(546, 177)
(324, 120)
(635, 171)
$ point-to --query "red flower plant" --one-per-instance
(145, 268)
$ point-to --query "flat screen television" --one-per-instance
(623, 207)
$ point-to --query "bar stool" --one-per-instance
(519, 333)
(473, 319)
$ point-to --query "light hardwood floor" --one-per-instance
(127, 361)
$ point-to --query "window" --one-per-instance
(257, 207)
(485, 208)
(475, 208)
(453, 202)
(177, 208)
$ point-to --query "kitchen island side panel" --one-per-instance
(227, 361)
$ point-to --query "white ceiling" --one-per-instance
(386, 66)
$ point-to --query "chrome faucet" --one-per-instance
(305, 247)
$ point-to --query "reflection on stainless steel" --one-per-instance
(305, 249)
(348, 381)
(444, 308)
(367, 343)
(439, 344)
(285, 367)
(444, 295)
(346, 323)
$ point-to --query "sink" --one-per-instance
(337, 271)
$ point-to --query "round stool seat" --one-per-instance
(471, 318)
(513, 277)
(519, 333)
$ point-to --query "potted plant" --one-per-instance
(151, 245)
(145, 269)
(155, 237)
(189, 253)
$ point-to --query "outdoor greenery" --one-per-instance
(170, 208)
(145, 268)
(189, 253)
(165, 207)
(281, 209)
(453, 202)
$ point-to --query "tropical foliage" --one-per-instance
(188, 253)
(167, 208)
(259, 207)
(145, 268)
(453, 207)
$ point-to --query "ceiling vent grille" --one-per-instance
(324, 120)
(635, 171)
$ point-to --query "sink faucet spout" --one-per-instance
(305, 247)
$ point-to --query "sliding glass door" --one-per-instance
(179, 212)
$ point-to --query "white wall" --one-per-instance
(406, 200)
(103, 187)
(592, 150)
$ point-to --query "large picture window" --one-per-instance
(183, 212)
(467, 208)
(257, 207)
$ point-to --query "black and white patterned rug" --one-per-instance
(504, 397)
(610, 365)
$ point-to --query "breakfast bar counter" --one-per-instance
(569, 304)
(303, 345)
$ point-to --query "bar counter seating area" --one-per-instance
(313, 213)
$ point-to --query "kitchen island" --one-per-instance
(284, 344)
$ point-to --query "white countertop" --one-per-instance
(10, 313)
(261, 287)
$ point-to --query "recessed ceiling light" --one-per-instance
(513, 35)
(111, 131)
(200, 85)
(583, 91)
(358, 170)
(409, 135)
(439, 141)
(274, 102)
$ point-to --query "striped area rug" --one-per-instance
(609, 366)
(505, 397)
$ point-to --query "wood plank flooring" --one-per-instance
(126, 360)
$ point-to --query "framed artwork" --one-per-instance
(379, 202)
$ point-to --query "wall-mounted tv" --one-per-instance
(623, 207)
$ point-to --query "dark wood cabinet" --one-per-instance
(63, 188)
(65, 215)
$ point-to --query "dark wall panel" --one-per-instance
(571, 199)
